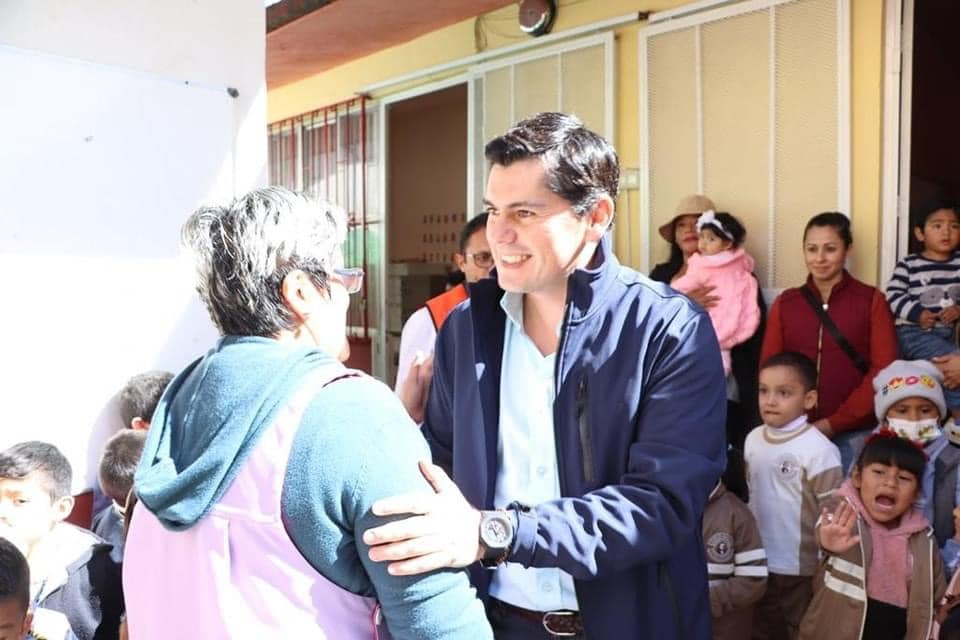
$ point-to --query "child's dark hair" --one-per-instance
(14, 576)
(22, 459)
(726, 227)
(801, 365)
(139, 397)
(886, 447)
(119, 461)
(929, 207)
(835, 219)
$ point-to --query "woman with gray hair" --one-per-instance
(265, 455)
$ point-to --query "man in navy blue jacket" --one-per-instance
(579, 408)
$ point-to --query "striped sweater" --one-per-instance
(919, 283)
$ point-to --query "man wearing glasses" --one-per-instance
(420, 330)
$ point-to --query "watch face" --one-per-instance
(495, 531)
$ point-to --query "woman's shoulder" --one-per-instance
(859, 288)
(664, 272)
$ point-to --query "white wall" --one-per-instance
(115, 124)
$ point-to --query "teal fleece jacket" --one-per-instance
(355, 445)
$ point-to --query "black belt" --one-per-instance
(563, 623)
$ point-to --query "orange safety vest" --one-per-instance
(441, 306)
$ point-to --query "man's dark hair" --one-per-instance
(835, 219)
(14, 576)
(801, 365)
(887, 448)
(473, 225)
(119, 461)
(22, 459)
(581, 166)
(139, 397)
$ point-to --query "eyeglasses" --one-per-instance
(482, 259)
(351, 278)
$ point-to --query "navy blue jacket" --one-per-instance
(639, 434)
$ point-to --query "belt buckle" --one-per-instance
(562, 624)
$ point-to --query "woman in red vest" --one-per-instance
(840, 323)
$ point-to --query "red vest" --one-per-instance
(441, 306)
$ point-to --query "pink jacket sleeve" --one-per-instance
(736, 316)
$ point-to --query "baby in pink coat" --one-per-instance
(721, 263)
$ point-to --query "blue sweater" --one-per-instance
(355, 445)
(639, 432)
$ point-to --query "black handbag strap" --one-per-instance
(834, 332)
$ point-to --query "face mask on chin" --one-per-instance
(919, 431)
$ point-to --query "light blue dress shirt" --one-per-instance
(527, 469)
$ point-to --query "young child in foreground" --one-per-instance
(71, 571)
(792, 470)
(881, 574)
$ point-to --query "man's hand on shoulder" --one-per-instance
(442, 529)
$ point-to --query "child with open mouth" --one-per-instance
(881, 572)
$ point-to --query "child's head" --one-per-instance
(35, 495)
(15, 617)
(908, 399)
(719, 232)
(788, 388)
(887, 475)
(139, 398)
(119, 461)
(937, 227)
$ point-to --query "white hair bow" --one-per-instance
(709, 217)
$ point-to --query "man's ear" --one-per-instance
(62, 507)
(600, 217)
(459, 260)
(139, 424)
(299, 293)
(27, 623)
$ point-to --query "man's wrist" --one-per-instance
(497, 531)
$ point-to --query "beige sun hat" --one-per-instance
(690, 205)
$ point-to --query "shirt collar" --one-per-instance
(512, 304)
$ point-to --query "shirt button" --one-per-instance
(548, 588)
(541, 471)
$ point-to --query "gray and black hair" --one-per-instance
(243, 252)
(581, 166)
(20, 460)
(140, 395)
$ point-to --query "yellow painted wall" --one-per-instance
(499, 27)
